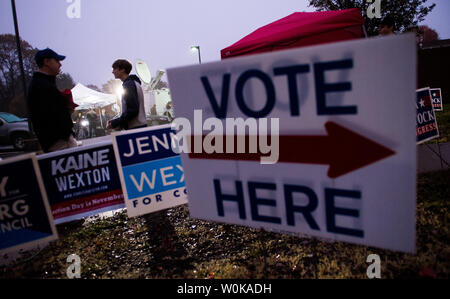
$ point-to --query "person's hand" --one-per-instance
(108, 126)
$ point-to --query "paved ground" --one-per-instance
(9, 151)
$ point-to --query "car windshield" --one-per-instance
(10, 118)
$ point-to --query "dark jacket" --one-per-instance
(47, 108)
(133, 113)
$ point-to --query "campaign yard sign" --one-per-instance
(150, 169)
(81, 181)
(427, 127)
(338, 160)
(436, 97)
(25, 217)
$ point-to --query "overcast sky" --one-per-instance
(159, 32)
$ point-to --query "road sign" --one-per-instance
(25, 217)
(343, 138)
(150, 171)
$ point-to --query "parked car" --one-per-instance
(13, 130)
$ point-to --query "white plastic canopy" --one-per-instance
(88, 98)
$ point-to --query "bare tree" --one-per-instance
(64, 81)
(10, 77)
(94, 87)
(112, 86)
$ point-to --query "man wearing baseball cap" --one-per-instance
(48, 106)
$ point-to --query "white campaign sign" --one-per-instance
(346, 166)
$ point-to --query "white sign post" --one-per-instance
(346, 156)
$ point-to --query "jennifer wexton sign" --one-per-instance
(151, 172)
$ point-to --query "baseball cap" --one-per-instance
(47, 53)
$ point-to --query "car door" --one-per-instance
(4, 139)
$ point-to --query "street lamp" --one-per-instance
(197, 48)
(119, 91)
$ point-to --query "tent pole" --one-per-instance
(101, 117)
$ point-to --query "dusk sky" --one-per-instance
(159, 32)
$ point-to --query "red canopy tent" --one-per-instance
(300, 29)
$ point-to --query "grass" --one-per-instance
(170, 244)
(443, 121)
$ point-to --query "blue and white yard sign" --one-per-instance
(150, 171)
(344, 156)
(436, 97)
(25, 217)
(427, 127)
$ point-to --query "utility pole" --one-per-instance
(19, 52)
(32, 144)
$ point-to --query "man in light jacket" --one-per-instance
(133, 112)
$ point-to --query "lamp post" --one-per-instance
(19, 52)
(197, 48)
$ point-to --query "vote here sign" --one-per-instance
(81, 181)
(25, 217)
(342, 160)
(150, 170)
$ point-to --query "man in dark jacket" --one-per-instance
(133, 112)
(47, 106)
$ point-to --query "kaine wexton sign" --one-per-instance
(150, 169)
(81, 181)
(317, 141)
(25, 217)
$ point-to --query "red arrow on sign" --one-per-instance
(343, 150)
